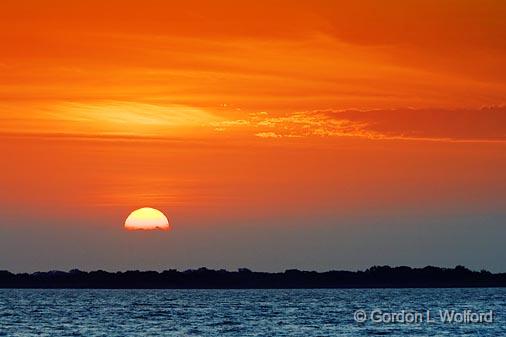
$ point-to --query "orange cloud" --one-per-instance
(160, 69)
(104, 118)
(486, 124)
(458, 124)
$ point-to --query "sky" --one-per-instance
(273, 134)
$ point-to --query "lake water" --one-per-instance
(308, 313)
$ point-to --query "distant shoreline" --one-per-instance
(203, 278)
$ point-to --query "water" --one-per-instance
(308, 313)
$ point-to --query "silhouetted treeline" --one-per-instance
(375, 277)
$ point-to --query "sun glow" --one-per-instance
(147, 219)
(107, 117)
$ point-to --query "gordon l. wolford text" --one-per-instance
(448, 316)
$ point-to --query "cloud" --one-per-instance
(116, 68)
(105, 118)
(259, 55)
(460, 124)
(268, 135)
(365, 22)
(485, 124)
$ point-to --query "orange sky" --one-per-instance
(229, 112)
(163, 67)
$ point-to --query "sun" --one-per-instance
(147, 219)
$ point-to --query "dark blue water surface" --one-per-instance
(307, 313)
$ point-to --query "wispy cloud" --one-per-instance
(486, 124)
(104, 118)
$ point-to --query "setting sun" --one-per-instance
(146, 219)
